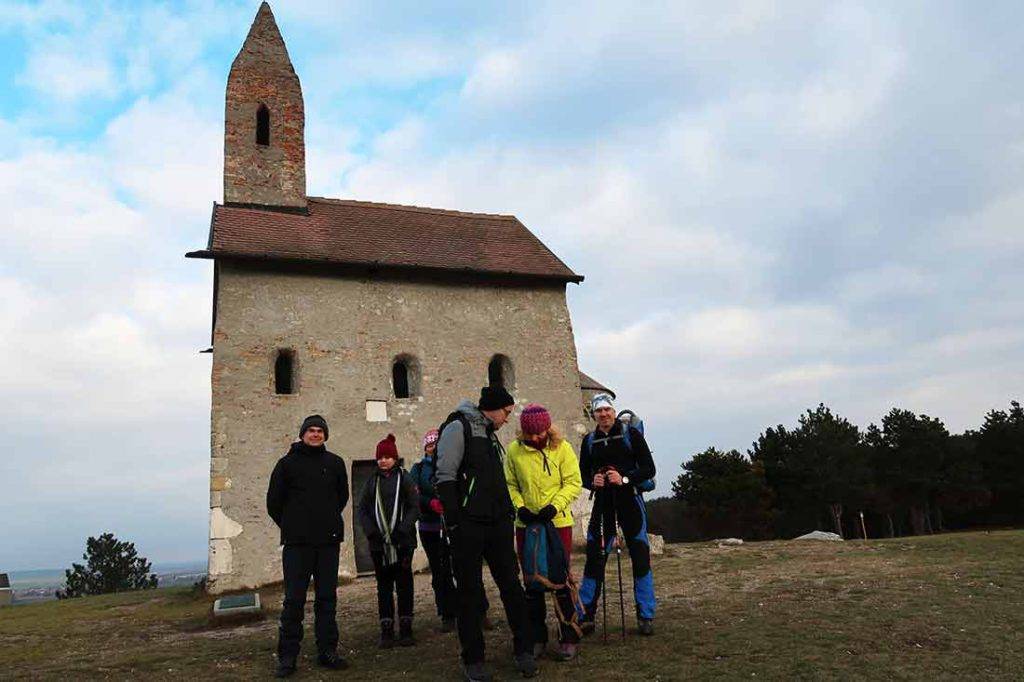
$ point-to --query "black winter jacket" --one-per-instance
(307, 492)
(404, 533)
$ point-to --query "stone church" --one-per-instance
(380, 317)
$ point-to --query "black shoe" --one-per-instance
(447, 624)
(526, 664)
(285, 667)
(387, 633)
(587, 627)
(645, 626)
(331, 659)
(476, 672)
(405, 637)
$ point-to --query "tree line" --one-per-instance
(905, 476)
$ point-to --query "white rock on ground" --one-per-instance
(728, 542)
(657, 544)
(820, 535)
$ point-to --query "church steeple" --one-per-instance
(264, 122)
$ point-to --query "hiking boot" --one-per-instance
(331, 659)
(285, 667)
(526, 664)
(587, 627)
(567, 651)
(387, 633)
(447, 624)
(476, 672)
(405, 637)
(645, 626)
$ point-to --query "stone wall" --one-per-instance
(345, 332)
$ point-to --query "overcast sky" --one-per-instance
(774, 205)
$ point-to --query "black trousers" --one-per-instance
(300, 563)
(396, 577)
(440, 558)
(494, 543)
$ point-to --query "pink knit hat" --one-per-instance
(430, 437)
(534, 419)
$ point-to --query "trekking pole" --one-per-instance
(622, 603)
(604, 569)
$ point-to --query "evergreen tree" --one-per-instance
(111, 566)
(726, 494)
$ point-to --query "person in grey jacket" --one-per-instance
(388, 509)
(477, 513)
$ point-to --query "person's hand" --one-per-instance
(436, 506)
(547, 513)
(598, 480)
(614, 477)
(526, 516)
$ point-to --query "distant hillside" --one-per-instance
(41, 584)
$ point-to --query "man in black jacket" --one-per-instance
(614, 459)
(477, 513)
(307, 493)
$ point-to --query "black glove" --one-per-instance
(546, 513)
(448, 493)
(526, 516)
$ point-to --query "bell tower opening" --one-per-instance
(263, 125)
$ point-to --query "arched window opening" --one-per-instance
(501, 373)
(284, 372)
(405, 376)
(400, 379)
(263, 125)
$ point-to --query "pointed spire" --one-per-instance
(264, 39)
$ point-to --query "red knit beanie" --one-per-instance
(534, 419)
(387, 448)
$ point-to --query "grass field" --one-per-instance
(936, 607)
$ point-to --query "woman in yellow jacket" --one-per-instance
(543, 477)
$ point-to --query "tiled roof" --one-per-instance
(588, 383)
(359, 233)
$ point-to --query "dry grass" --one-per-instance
(940, 607)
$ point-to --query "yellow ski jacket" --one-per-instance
(537, 479)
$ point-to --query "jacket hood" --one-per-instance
(472, 412)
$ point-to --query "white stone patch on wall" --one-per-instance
(223, 526)
(220, 557)
(376, 411)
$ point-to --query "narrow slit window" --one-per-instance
(406, 376)
(284, 373)
(263, 125)
(400, 378)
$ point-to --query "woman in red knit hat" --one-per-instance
(388, 509)
(543, 477)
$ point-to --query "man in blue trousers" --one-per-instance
(614, 459)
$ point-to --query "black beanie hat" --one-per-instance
(313, 420)
(495, 398)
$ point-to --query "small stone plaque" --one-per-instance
(237, 604)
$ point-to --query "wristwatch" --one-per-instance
(625, 480)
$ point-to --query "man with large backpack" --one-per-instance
(616, 463)
(477, 512)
